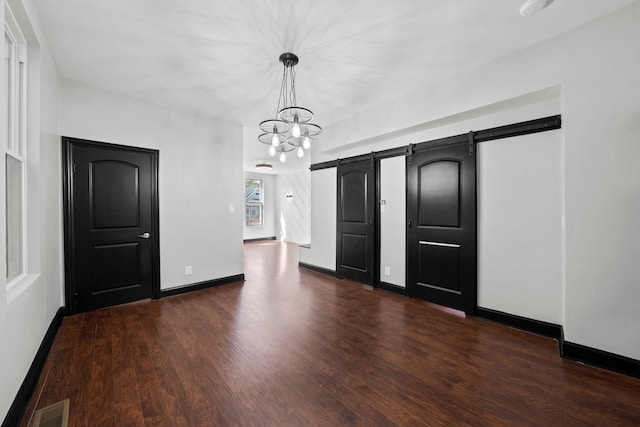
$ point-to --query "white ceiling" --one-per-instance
(220, 58)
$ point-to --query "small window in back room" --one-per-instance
(254, 205)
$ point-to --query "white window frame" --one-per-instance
(15, 117)
(250, 205)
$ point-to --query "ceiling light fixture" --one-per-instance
(533, 6)
(292, 128)
(264, 166)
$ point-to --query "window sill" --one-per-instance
(20, 284)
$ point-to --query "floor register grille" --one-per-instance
(56, 415)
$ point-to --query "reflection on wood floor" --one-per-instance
(295, 347)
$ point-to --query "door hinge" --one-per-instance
(410, 150)
(373, 160)
(74, 169)
(472, 143)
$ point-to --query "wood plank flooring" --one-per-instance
(292, 347)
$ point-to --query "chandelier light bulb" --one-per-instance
(295, 131)
(306, 143)
(300, 152)
(275, 140)
(272, 151)
(283, 157)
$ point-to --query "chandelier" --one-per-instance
(291, 129)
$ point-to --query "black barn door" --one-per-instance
(355, 223)
(441, 226)
(111, 242)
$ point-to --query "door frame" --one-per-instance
(70, 286)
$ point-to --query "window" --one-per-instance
(15, 71)
(253, 201)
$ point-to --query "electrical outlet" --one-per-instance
(387, 270)
(188, 270)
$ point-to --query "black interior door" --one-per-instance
(441, 226)
(355, 222)
(112, 214)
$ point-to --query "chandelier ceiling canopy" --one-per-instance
(291, 129)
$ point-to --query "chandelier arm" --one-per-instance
(288, 87)
(282, 89)
(292, 92)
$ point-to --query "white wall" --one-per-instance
(595, 68)
(602, 130)
(520, 225)
(293, 213)
(393, 214)
(539, 102)
(26, 312)
(268, 227)
(200, 177)
(322, 252)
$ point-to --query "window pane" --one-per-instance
(14, 207)
(8, 73)
(253, 190)
(254, 214)
(21, 110)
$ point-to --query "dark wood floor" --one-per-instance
(291, 347)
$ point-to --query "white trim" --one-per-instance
(17, 82)
(18, 285)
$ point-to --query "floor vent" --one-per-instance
(56, 415)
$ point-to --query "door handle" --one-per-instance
(144, 235)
